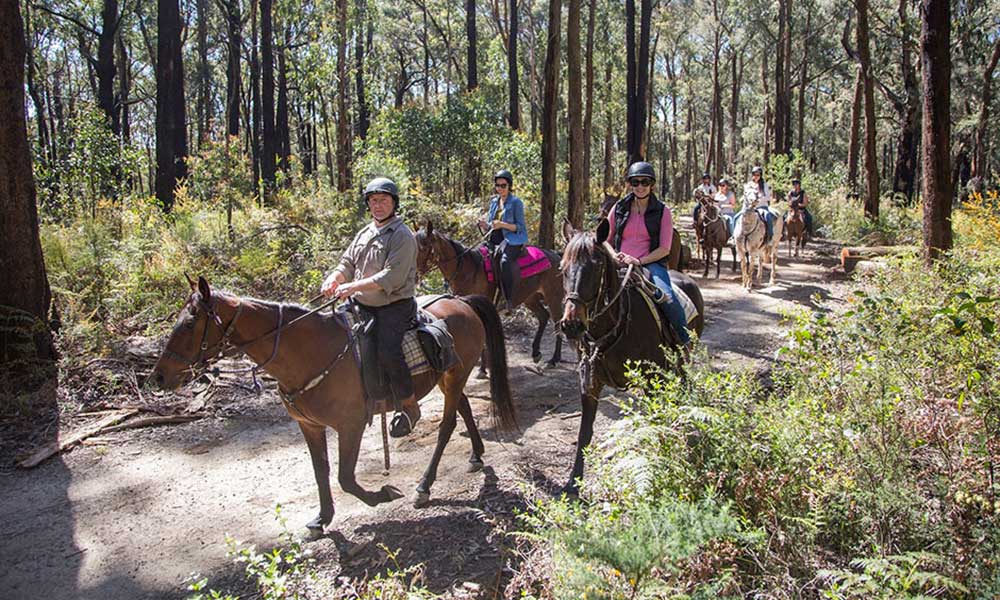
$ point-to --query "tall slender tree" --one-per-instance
(513, 102)
(574, 96)
(550, 128)
(234, 45)
(171, 122)
(471, 40)
(269, 141)
(937, 187)
(637, 76)
(871, 153)
(203, 71)
(343, 119)
(24, 293)
(980, 162)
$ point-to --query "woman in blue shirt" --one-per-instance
(508, 232)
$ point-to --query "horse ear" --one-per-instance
(203, 289)
(194, 286)
(568, 230)
(603, 229)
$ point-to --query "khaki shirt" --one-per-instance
(387, 255)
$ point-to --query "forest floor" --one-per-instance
(132, 518)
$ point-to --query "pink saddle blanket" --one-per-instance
(532, 261)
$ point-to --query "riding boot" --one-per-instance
(406, 416)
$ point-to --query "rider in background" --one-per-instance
(378, 272)
(508, 233)
(706, 189)
(763, 197)
(641, 232)
(797, 199)
(725, 199)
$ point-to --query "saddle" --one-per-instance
(654, 295)
(765, 215)
(532, 261)
(427, 346)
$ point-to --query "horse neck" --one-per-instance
(609, 312)
(455, 263)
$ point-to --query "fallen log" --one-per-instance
(57, 446)
(850, 256)
(151, 421)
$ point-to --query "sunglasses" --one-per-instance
(501, 186)
(642, 182)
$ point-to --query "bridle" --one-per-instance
(440, 261)
(602, 290)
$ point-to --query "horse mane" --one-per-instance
(582, 246)
(290, 308)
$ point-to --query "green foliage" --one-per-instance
(897, 577)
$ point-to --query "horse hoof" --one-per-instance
(570, 491)
(421, 499)
(391, 493)
(475, 464)
(482, 375)
(316, 525)
(536, 356)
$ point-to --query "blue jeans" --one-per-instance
(671, 306)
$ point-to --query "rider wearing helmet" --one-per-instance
(641, 233)
(378, 272)
(725, 199)
(508, 233)
(705, 189)
(797, 199)
(763, 197)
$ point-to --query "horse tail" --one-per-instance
(504, 414)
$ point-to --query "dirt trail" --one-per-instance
(133, 519)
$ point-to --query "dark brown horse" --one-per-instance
(320, 382)
(612, 324)
(714, 234)
(795, 230)
(464, 272)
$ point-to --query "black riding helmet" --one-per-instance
(505, 174)
(641, 169)
(383, 185)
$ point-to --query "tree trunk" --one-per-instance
(24, 294)
(980, 160)
(937, 190)
(780, 100)
(269, 143)
(871, 154)
(257, 110)
(609, 173)
(550, 128)
(588, 115)
(33, 91)
(470, 35)
(204, 76)
(281, 120)
(513, 102)
(637, 77)
(359, 72)
(734, 110)
(106, 65)
(801, 129)
(171, 124)
(343, 119)
(854, 144)
(768, 117)
(574, 96)
(234, 45)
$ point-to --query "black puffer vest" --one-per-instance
(653, 217)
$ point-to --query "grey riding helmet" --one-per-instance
(383, 185)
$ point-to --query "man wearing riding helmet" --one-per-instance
(641, 233)
(706, 189)
(378, 272)
(508, 233)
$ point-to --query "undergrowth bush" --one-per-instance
(867, 462)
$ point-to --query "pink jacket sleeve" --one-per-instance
(666, 228)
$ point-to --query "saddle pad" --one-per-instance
(532, 261)
(690, 310)
(416, 360)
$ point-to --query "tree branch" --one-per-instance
(66, 17)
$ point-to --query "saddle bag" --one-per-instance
(437, 344)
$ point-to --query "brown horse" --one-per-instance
(714, 234)
(795, 230)
(464, 272)
(613, 324)
(320, 383)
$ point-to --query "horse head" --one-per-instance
(430, 245)
(196, 340)
(750, 197)
(584, 267)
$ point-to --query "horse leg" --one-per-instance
(774, 265)
(444, 434)
(481, 374)
(540, 312)
(718, 260)
(348, 450)
(589, 400)
(734, 258)
(476, 460)
(707, 251)
(316, 441)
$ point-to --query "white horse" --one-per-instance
(749, 237)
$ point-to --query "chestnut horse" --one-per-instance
(795, 230)
(714, 234)
(464, 272)
(613, 324)
(310, 355)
